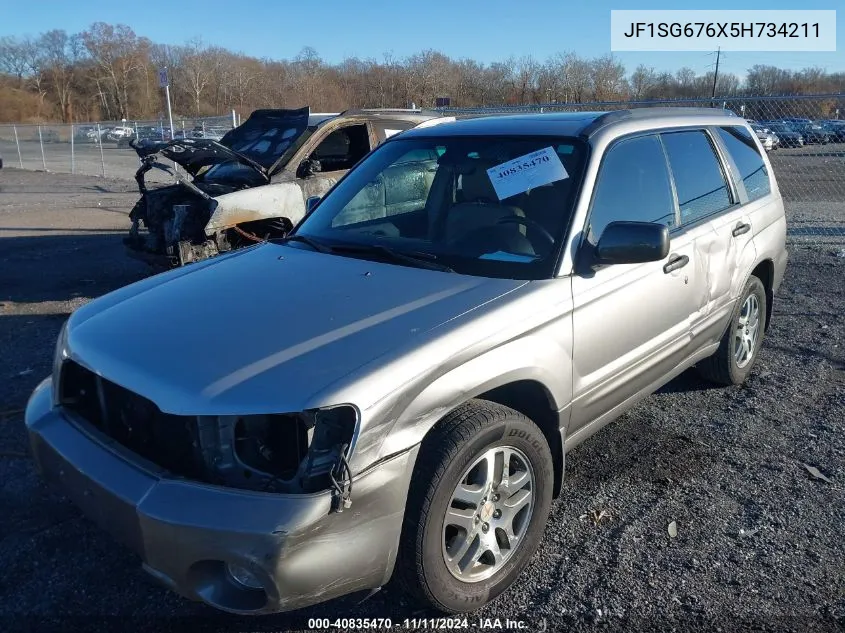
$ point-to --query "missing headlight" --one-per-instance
(272, 444)
(303, 452)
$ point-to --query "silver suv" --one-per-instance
(389, 391)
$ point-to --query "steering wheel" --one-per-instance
(518, 219)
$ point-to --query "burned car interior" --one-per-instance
(342, 149)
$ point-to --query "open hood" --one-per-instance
(192, 154)
(259, 142)
(267, 134)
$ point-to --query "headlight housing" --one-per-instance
(296, 452)
(59, 356)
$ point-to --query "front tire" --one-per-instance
(477, 507)
(740, 345)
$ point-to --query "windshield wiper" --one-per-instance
(414, 258)
(296, 237)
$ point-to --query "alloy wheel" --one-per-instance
(488, 514)
(747, 331)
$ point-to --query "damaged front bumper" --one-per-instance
(191, 536)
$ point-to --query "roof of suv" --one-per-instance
(568, 123)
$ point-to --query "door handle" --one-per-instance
(675, 262)
(740, 229)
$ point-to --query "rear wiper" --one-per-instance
(296, 237)
(414, 258)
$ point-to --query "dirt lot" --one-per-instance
(759, 542)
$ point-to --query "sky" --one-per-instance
(486, 31)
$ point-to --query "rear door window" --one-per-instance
(699, 178)
(749, 162)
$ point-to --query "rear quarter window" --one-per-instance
(748, 161)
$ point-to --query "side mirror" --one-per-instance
(310, 203)
(633, 243)
(308, 167)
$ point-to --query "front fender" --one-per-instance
(538, 358)
(280, 200)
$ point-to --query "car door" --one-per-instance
(336, 150)
(630, 321)
(712, 214)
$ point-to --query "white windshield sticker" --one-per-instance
(388, 133)
(526, 172)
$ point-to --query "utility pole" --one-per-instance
(164, 82)
(716, 74)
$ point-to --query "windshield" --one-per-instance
(487, 206)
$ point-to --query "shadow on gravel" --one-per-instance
(642, 452)
(686, 382)
(50, 267)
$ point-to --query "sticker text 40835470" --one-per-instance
(512, 169)
(525, 172)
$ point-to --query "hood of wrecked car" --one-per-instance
(261, 142)
(264, 329)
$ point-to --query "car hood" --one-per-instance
(263, 329)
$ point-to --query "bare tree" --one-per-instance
(524, 78)
(643, 79)
(61, 56)
(117, 52)
(608, 77)
(575, 77)
(195, 68)
(14, 57)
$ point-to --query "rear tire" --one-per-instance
(740, 345)
(472, 524)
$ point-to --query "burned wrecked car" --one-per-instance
(251, 184)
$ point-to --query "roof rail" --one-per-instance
(391, 109)
(377, 111)
(652, 113)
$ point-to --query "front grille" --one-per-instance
(131, 420)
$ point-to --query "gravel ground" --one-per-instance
(759, 541)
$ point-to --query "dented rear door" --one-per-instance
(717, 228)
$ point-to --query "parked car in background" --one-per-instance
(787, 136)
(117, 133)
(86, 134)
(252, 184)
(835, 129)
(768, 139)
(405, 372)
(209, 131)
(812, 133)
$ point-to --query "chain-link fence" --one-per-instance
(804, 137)
(99, 149)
